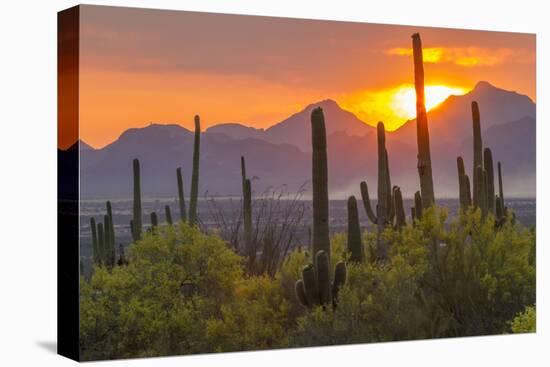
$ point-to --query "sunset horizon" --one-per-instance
(139, 66)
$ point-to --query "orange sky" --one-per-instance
(139, 66)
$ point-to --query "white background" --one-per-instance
(28, 182)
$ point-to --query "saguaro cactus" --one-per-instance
(247, 220)
(478, 152)
(112, 239)
(315, 288)
(463, 185)
(481, 190)
(95, 247)
(382, 217)
(490, 184)
(418, 208)
(321, 241)
(423, 136)
(168, 215)
(154, 221)
(137, 225)
(193, 201)
(181, 198)
(400, 219)
(355, 246)
(100, 242)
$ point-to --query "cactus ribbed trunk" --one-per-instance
(108, 245)
(137, 225)
(383, 194)
(321, 241)
(168, 215)
(478, 152)
(310, 285)
(323, 277)
(181, 197)
(488, 167)
(355, 247)
(423, 137)
(193, 201)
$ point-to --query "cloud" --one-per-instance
(468, 56)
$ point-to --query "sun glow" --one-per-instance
(403, 100)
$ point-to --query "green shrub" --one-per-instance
(525, 322)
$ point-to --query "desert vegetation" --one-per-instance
(249, 284)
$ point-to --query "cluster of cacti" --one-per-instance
(136, 224)
(321, 240)
(389, 208)
(483, 192)
(103, 239)
(423, 137)
(247, 213)
(315, 287)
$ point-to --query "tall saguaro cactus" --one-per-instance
(193, 201)
(137, 224)
(321, 241)
(383, 207)
(478, 153)
(112, 239)
(247, 219)
(181, 197)
(423, 137)
(489, 171)
(355, 247)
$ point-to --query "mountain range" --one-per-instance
(280, 155)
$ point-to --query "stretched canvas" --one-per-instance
(237, 183)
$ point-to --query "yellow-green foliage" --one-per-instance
(442, 278)
(139, 309)
(525, 322)
(462, 279)
(257, 318)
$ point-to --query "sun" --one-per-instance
(403, 100)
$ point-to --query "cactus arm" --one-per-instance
(468, 190)
(366, 202)
(500, 189)
(321, 241)
(423, 137)
(193, 202)
(247, 221)
(101, 242)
